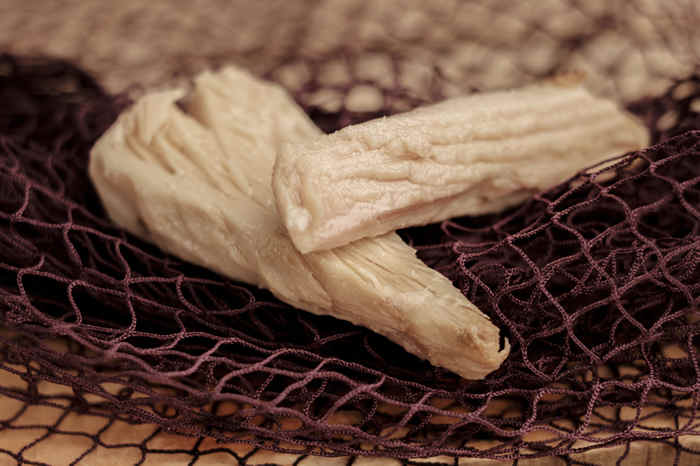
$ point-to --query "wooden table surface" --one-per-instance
(62, 449)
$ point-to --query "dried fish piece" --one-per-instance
(465, 156)
(250, 118)
(180, 181)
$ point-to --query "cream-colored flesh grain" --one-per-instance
(194, 184)
(465, 156)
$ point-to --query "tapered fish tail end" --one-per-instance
(472, 349)
(483, 350)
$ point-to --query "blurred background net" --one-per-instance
(111, 346)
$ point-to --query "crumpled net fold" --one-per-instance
(594, 282)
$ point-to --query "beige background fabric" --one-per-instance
(628, 47)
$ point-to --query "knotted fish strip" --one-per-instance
(193, 183)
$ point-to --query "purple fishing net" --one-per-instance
(589, 281)
(594, 282)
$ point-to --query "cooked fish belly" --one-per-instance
(174, 179)
(465, 156)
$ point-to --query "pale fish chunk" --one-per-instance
(167, 176)
(465, 156)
